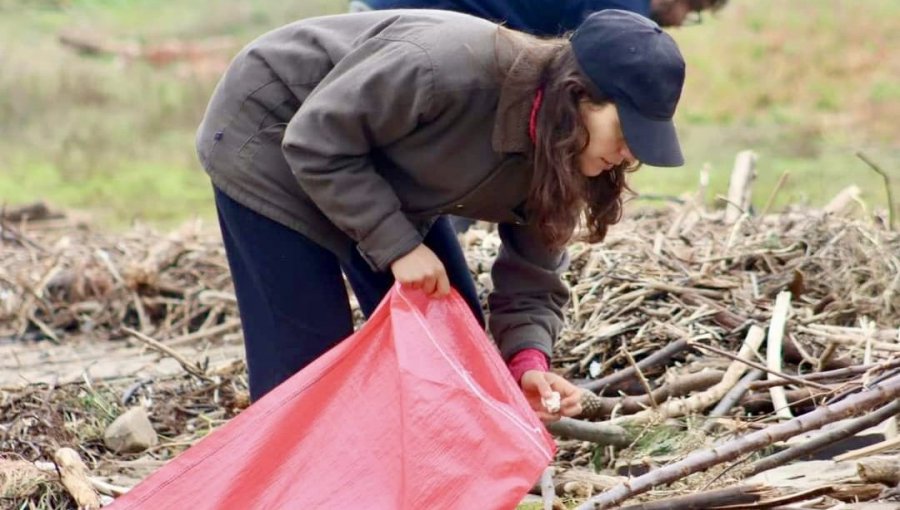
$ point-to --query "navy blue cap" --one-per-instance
(630, 59)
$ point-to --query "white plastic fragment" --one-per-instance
(551, 403)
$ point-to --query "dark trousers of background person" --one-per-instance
(291, 295)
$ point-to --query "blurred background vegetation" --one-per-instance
(804, 83)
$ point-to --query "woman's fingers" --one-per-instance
(547, 417)
(570, 409)
(422, 269)
(570, 401)
(443, 285)
(570, 397)
(429, 284)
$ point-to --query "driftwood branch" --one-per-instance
(756, 365)
(657, 358)
(801, 399)
(731, 398)
(774, 350)
(595, 407)
(831, 375)
(699, 401)
(825, 439)
(187, 365)
(548, 490)
(595, 432)
(74, 477)
(98, 484)
(699, 461)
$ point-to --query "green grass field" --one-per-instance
(804, 83)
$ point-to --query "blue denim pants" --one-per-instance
(291, 295)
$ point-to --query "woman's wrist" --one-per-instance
(525, 360)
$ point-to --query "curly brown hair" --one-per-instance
(561, 197)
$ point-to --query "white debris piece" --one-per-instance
(594, 369)
(551, 403)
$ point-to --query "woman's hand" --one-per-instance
(538, 386)
(422, 269)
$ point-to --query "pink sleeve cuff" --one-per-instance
(525, 360)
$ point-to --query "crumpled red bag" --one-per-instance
(415, 411)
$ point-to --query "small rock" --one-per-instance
(131, 432)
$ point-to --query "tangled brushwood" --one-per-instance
(687, 331)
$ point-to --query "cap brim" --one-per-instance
(652, 141)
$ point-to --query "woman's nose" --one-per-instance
(627, 156)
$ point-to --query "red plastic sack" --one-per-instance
(415, 411)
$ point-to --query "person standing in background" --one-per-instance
(553, 17)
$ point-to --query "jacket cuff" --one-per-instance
(525, 360)
(526, 336)
(394, 237)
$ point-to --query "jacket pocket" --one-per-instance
(263, 149)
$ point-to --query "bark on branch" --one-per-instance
(657, 358)
(595, 432)
(826, 438)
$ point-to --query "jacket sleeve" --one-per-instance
(529, 294)
(374, 96)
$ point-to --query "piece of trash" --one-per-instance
(594, 369)
(551, 403)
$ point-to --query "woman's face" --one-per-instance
(606, 146)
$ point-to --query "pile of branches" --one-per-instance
(59, 282)
(668, 320)
(739, 333)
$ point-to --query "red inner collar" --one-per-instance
(532, 121)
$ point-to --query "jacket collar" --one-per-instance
(521, 81)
